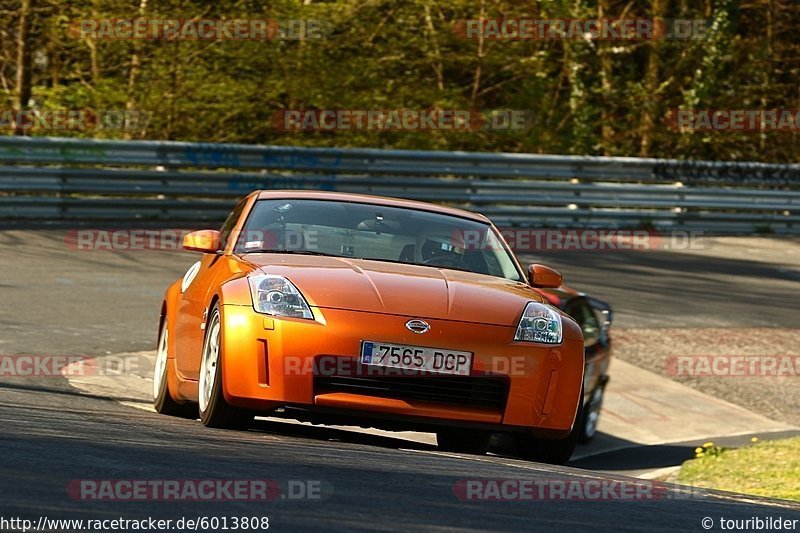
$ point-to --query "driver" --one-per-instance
(441, 249)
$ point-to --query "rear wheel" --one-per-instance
(463, 440)
(162, 400)
(215, 412)
(553, 451)
(591, 415)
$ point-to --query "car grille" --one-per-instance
(479, 392)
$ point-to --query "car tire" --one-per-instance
(463, 441)
(215, 412)
(551, 451)
(162, 399)
(591, 415)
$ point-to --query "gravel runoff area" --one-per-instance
(721, 362)
(679, 352)
(723, 296)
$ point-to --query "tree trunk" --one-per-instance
(476, 80)
(651, 82)
(23, 88)
(606, 90)
(438, 67)
(765, 103)
(133, 75)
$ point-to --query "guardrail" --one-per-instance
(79, 180)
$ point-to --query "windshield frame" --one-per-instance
(238, 249)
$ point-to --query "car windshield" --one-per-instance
(375, 232)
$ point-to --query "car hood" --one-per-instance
(401, 289)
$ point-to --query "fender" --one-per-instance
(168, 308)
(235, 291)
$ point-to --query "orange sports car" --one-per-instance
(360, 310)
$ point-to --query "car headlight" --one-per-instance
(539, 323)
(276, 295)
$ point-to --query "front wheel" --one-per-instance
(215, 412)
(591, 415)
(162, 400)
(552, 451)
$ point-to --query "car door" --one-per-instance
(194, 301)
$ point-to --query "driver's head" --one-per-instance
(440, 246)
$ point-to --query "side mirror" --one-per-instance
(206, 241)
(544, 277)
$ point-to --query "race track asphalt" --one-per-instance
(52, 436)
(60, 301)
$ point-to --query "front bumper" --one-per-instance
(270, 362)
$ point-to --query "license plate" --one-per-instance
(416, 358)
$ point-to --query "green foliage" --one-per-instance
(389, 54)
(768, 468)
